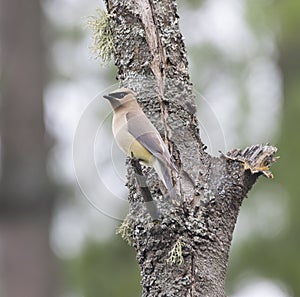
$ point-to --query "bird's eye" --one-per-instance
(118, 95)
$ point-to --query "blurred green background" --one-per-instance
(57, 225)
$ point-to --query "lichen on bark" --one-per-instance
(103, 45)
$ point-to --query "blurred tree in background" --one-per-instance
(108, 269)
(26, 193)
(244, 58)
(277, 257)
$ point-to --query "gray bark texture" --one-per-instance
(186, 252)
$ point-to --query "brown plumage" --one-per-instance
(136, 135)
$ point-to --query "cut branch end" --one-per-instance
(257, 158)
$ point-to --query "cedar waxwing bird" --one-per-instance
(136, 136)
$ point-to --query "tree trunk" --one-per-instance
(26, 197)
(186, 253)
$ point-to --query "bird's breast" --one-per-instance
(129, 145)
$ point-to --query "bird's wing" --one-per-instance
(140, 127)
(143, 130)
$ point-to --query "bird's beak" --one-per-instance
(108, 97)
(113, 100)
(116, 95)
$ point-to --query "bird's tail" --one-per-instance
(164, 173)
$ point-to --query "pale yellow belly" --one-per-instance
(141, 153)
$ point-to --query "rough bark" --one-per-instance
(186, 253)
(26, 261)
